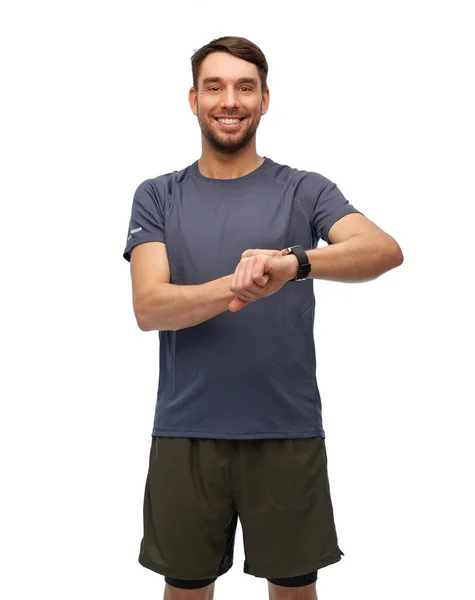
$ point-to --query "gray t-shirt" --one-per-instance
(250, 374)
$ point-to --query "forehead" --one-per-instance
(227, 67)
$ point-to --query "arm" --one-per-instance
(158, 304)
(174, 307)
(359, 251)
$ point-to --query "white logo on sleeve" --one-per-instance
(134, 231)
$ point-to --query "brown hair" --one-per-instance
(237, 46)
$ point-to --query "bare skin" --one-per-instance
(276, 592)
(174, 593)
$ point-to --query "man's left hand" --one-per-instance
(260, 273)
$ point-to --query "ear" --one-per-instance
(265, 101)
(192, 99)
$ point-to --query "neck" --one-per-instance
(228, 166)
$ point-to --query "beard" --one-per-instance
(228, 142)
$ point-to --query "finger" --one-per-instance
(253, 275)
(245, 288)
(239, 274)
(258, 273)
(245, 274)
(248, 278)
(251, 286)
(242, 291)
(255, 251)
(235, 280)
(247, 296)
(235, 286)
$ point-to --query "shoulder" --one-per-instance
(161, 186)
(303, 182)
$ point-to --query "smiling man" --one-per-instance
(229, 131)
(222, 254)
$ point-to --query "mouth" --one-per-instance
(231, 125)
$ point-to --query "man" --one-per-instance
(224, 253)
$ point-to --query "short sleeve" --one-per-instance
(146, 220)
(330, 206)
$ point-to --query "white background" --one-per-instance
(376, 96)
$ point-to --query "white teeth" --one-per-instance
(229, 121)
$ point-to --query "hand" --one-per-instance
(260, 273)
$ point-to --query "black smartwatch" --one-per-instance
(304, 266)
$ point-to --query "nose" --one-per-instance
(229, 98)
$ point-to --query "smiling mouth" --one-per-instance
(232, 125)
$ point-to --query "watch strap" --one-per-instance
(304, 265)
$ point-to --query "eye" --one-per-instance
(242, 87)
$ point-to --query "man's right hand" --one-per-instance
(266, 284)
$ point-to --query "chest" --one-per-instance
(207, 233)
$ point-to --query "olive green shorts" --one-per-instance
(196, 489)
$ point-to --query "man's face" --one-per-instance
(228, 97)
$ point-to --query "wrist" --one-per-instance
(293, 265)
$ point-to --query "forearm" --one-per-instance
(172, 307)
(361, 258)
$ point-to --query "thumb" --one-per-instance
(262, 281)
(237, 304)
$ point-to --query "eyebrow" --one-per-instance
(207, 80)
